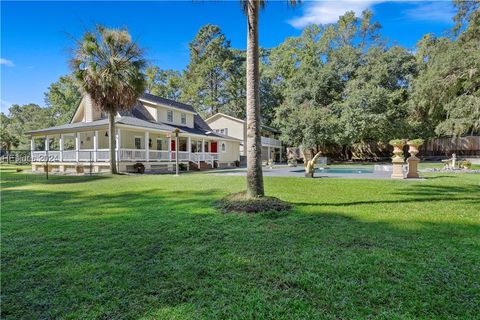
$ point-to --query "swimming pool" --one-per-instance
(341, 170)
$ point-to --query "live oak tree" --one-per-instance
(23, 118)
(62, 98)
(108, 66)
(7, 140)
(446, 94)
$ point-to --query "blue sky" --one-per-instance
(36, 37)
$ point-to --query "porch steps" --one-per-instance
(203, 166)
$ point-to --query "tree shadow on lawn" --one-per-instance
(12, 180)
(161, 253)
(416, 193)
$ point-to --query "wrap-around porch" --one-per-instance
(132, 145)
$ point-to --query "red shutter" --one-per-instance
(173, 145)
(213, 146)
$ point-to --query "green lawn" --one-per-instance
(154, 247)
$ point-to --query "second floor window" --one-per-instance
(184, 118)
(170, 116)
(222, 131)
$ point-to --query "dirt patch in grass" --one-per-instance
(238, 202)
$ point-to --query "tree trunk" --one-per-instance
(310, 164)
(254, 149)
(111, 130)
(8, 154)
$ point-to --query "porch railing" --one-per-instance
(270, 142)
(103, 155)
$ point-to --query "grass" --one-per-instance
(155, 247)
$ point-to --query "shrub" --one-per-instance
(19, 169)
(237, 163)
(292, 162)
(182, 167)
(465, 164)
(416, 142)
(139, 167)
(397, 142)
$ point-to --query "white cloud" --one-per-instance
(323, 12)
(6, 62)
(440, 11)
(5, 105)
(328, 11)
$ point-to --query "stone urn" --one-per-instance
(414, 146)
(397, 159)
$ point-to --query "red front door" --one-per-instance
(213, 146)
(173, 145)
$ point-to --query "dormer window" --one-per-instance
(184, 118)
(170, 116)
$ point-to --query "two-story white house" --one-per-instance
(144, 135)
(237, 128)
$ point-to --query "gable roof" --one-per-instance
(219, 114)
(166, 102)
(150, 98)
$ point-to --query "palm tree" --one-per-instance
(254, 148)
(108, 66)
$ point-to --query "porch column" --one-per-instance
(61, 147)
(118, 141)
(77, 145)
(32, 147)
(203, 149)
(95, 146)
(47, 144)
(147, 146)
(189, 147)
(269, 155)
(170, 148)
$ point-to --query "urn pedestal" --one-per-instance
(412, 162)
(413, 168)
(398, 160)
(397, 171)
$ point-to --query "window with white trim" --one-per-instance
(222, 131)
(184, 118)
(138, 143)
(224, 147)
(169, 115)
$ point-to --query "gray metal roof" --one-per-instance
(141, 118)
(130, 121)
(167, 102)
(76, 125)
